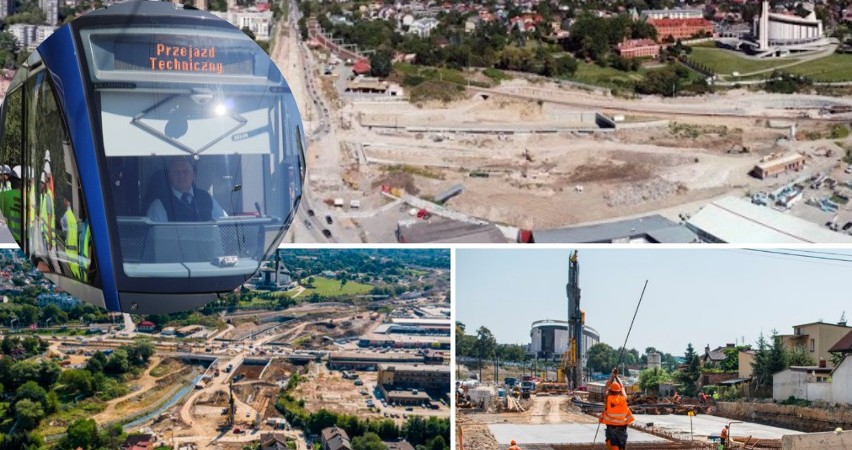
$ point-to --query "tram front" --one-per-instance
(197, 153)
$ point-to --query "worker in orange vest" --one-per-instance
(616, 415)
(514, 445)
(724, 435)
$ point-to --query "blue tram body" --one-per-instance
(154, 156)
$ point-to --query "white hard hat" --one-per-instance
(16, 171)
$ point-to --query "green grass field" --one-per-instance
(257, 303)
(591, 73)
(331, 288)
(836, 67)
(725, 62)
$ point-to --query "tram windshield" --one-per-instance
(204, 148)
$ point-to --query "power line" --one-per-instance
(798, 255)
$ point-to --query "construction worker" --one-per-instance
(723, 444)
(514, 445)
(616, 414)
(676, 398)
(68, 222)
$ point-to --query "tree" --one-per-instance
(436, 443)
(732, 358)
(484, 346)
(32, 391)
(768, 359)
(464, 343)
(798, 356)
(78, 382)
(602, 358)
(28, 413)
(689, 375)
(369, 441)
(566, 65)
(82, 433)
(650, 379)
(380, 64)
(118, 362)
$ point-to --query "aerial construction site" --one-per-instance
(553, 396)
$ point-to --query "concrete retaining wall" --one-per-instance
(787, 416)
(819, 392)
(817, 441)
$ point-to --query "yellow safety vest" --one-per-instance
(71, 249)
(84, 253)
(46, 215)
(11, 206)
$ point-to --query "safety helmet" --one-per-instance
(513, 442)
(615, 386)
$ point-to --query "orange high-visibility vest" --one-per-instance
(616, 412)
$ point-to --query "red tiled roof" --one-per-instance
(361, 66)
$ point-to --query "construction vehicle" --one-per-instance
(571, 367)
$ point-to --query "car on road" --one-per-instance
(238, 431)
(329, 220)
(847, 226)
(311, 212)
(326, 233)
(307, 224)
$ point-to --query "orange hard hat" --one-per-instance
(615, 386)
(513, 442)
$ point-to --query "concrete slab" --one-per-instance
(559, 434)
(704, 425)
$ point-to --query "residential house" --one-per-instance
(843, 346)
(334, 438)
(138, 442)
(423, 27)
(401, 445)
(816, 338)
(745, 359)
(714, 358)
(146, 326)
(273, 441)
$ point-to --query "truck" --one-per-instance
(338, 202)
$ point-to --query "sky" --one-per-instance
(703, 296)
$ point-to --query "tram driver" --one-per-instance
(183, 201)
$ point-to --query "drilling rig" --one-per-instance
(572, 359)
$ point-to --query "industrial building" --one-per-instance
(734, 220)
(356, 360)
(638, 48)
(675, 13)
(447, 231)
(402, 397)
(647, 229)
(429, 378)
(778, 166)
(549, 339)
(681, 28)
